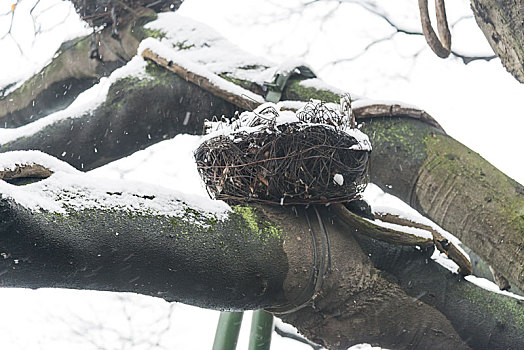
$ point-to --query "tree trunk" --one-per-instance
(501, 21)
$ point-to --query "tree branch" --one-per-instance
(104, 244)
(69, 73)
(501, 23)
(453, 186)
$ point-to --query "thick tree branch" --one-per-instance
(191, 258)
(195, 259)
(459, 304)
(454, 187)
(119, 126)
(72, 71)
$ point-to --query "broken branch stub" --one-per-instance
(441, 243)
(25, 173)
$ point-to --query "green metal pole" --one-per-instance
(261, 330)
(228, 328)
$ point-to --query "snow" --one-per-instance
(200, 45)
(70, 190)
(319, 84)
(338, 179)
(9, 161)
(444, 261)
(384, 203)
(364, 102)
(289, 66)
(406, 229)
(182, 60)
(486, 284)
(291, 105)
(56, 21)
(158, 164)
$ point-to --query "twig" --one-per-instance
(442, 244)
(200, 81)
(468, 59)
(25, 171)
(378, 232)
(286, 334)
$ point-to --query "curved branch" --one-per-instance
(441, 47)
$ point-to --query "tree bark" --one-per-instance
(453, 186)
(177, 259)
(501, 21)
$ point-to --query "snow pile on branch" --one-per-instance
(68, 190)
(86, 102)
(14, 159)
(201, 45)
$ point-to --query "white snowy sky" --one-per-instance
(478, 104)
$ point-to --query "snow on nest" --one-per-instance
(86, 102)
(70, 190)
(280, 117)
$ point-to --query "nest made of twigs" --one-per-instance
(104, 12)
(301, 162)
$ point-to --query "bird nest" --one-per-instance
(104, 12)
(313, 156)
